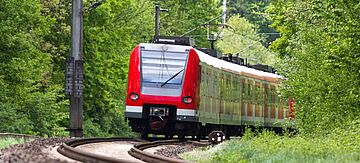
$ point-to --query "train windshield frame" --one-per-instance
(162, 72)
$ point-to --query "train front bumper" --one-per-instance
(188, 115)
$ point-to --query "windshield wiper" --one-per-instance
(172, 77)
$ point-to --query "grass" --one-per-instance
(340, 146)
(5, 142)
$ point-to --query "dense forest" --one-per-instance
(314, 44)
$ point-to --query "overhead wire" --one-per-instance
(206, 23)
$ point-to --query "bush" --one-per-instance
(339, 146)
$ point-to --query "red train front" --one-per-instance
(161, 94)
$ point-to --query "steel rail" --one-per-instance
(68, 149)
(137, 151)
(14, 135)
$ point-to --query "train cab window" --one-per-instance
(162, 72)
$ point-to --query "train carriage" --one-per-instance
(179, 90)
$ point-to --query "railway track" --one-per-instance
(14, 135)
(138, 151)
(69, 149)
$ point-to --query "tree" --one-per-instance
(255, 12)
(186, 15)
(29, 102)
(241, 37)
(320, 51)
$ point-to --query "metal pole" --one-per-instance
(224, 13)
(157, 10)
(157, 19)
(74, 71)
(76, 29)
(223, 18)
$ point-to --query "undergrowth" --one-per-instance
(342, 145)
(5, 142)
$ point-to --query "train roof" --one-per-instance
(235, 68)
(217, 63)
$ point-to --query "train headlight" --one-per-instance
(133, 96)
(187, 100)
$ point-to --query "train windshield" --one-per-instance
(162, 72)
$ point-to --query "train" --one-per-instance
(176, 89)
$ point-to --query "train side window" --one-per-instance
(216, 87)
(262, 92)
(229, 87)
(223, 76)
(245, 91)
(236, 89)
(211, 83)
(206, 72)
(207, 81)
(220, 84)
(226, 87)
(258, 93)
(240, 83)
(267, 93)
(250, 91)
(271, 94)
(276, 99)
(272, 90)
(253, 92)
(223, 86)
(202, 81)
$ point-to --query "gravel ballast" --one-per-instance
(32, 151)
(173, 151)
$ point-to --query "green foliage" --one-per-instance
(5, 142)
(255, 12)
(320, 50)
(243, 39)
(28, 100)
(186, 15)
(340, 146)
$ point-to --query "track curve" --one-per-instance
(137, 151)
(68, 149)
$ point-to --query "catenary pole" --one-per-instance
(224, 13)
(74, 71)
